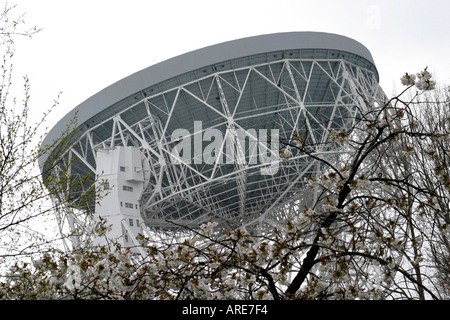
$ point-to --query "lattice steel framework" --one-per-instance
(306, 90)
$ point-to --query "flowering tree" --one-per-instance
(16, 159)
(25, 205)
(378, 228)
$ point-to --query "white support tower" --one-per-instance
(122, 177)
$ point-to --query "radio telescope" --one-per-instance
(194, 138)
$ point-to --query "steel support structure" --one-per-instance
(309, 96)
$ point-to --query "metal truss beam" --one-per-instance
(305, 95)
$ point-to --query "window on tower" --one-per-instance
(127, 188)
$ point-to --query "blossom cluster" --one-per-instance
(422, 80)
(338, 136)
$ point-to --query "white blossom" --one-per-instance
(423, 82)
(298, 144)
(285, 154)
(74, 279)
(338, 136)
(208, 228)
(408, 79)
(300, 220)
(328, 207)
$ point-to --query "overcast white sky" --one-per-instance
(87, 45)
